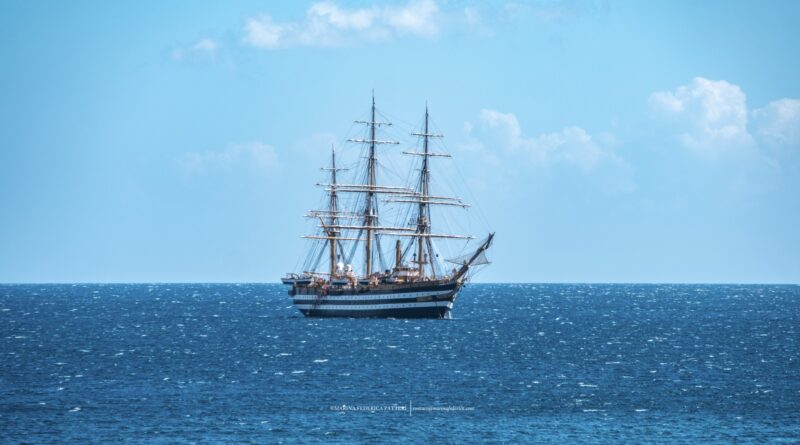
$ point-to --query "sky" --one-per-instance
(603, 141)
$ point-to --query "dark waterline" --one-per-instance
(220, 363)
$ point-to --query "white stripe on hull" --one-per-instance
(366, 297)
(373, 307)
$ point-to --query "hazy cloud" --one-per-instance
(327, 24)
(778, 123)
(256, 155)
(572, 145)
(203, 48)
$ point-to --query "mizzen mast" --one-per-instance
(331, 228)
(333, 204)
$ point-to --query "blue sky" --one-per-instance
(603, 141)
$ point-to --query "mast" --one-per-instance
(329, 218)
(332, 208)
(371, 188)
(338, 225)
(422, 220)
(369, 216)
(424, 200)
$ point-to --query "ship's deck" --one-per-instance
(380, 288)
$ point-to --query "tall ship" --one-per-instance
(362, 223)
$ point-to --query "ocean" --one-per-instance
(518, 363)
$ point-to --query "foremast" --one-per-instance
(423, 199)
(424, 214)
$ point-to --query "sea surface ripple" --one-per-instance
(525, 363)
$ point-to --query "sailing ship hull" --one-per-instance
(383, 301)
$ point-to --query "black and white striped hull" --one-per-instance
(433, 301)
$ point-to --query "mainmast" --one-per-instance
(371, 188)
(370, 213)
(424, 215)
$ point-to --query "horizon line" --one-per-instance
(700, 283)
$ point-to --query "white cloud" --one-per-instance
(712, 114)
(778, 123)
(255, 155)
(328, 14)
(505, 126)
(571, 146)
(417, 18)
(262, 33)
(327, 24)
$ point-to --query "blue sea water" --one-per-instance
(525, 363)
